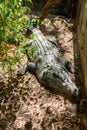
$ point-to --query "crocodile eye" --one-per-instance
(56, 76)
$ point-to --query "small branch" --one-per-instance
(53, 126)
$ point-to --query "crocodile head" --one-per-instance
(58, 78)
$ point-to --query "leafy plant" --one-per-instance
(12, 21)
(86, 4)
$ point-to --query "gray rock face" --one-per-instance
(47, 65)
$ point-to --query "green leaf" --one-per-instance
(86, 4)
(1, 1)
(31, 1)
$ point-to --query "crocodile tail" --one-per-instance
(29, 27)
(31, 21)
(34, 22)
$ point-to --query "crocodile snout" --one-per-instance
(75, 92)
(59, 79)
(70, 87)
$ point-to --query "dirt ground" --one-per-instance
(27, 105)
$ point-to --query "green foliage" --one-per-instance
(30, 52)
(12, 19)
(9, 61)
(36, 22)
(12, 22)
(86, 4)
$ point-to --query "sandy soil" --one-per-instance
(27, 105)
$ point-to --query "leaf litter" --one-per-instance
(27, 105)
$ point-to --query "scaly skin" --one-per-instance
(47, 65)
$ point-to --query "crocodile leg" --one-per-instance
(68, 66)
(60, 49)
(28, 66)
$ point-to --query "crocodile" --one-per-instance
(47, 64)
